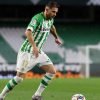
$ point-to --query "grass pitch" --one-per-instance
(59, 89)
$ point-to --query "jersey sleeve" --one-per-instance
(33, 24)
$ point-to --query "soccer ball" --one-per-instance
(78, 97)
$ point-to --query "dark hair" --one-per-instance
(52, 4)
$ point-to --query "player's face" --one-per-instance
(52, 12)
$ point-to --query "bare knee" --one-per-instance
(19, 74)
(53, 71)
(49, 69)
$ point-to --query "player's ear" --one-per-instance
(47, 8)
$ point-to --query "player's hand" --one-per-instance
(58, 41)
(36, 51)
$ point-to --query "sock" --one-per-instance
(44, 83)
(10, 85)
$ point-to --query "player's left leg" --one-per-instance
(50, 72)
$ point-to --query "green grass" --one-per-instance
(59, 89)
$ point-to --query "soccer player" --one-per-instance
(31, 52)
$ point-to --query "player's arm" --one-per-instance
(54, 33)
(29, 33)
(30, 38)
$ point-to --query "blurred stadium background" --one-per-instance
(78, 25)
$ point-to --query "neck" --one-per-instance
(45, 15)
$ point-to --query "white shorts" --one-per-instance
(26, 61)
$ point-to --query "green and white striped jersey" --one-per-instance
(40, 27)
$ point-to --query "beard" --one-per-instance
(50, 17)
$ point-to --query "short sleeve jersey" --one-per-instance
(40, 27)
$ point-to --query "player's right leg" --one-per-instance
(11, 84)
(22, 67)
